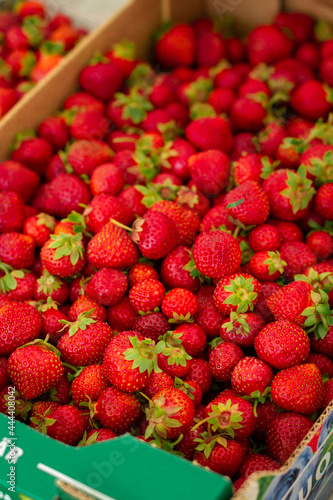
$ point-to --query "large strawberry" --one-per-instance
(210, 171)
(311, 100)
(268, 44)
(101, 79)
(176, 47)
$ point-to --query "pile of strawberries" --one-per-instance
(166, 249)
(31, 44)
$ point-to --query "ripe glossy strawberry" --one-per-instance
(141, 272)
(247, 114)
(311, 100)
(89, 124)
(51, 286)
(210, 133)
(156, 235)
(247, 204)
(34, 153)
(103, 208)
(289, 302)
(210, 171)
(284, 434)
(324, 364)
(39, 414)
(224, 458)
(17, 250)
(146, 295)
(321, 243)
(216, 254)
(298, 257)
(214, 218)
(208, 316)
(266, 412)
(39, 227)
(180, 305)
(16, 285)
(63, 255)
(299, 389)
(191, 389)
(67, 424)
(169, 414)
(237, 292)
(107, 286)
(176, 47)
(116, 410)
(102, 79)
(174, 360)
(86, 304)
(107, 179)
(193, 338)
(288, 231)
(264, 237)
(210, 49)
(323, 346)
(17, 177)
(223, 359)
(199, 372)
(61, 391)
(256, 462)
(323, 201)
(268, 44)
(267, 266)
(121, 316)
(112, 247)
(51, 318)
(12, 212)
(54, 130)
(251, 375)
(174, 273)
(98, 435)
(282, 344)
(84, 156)
(157, 382)
(85, 342)
(34, 369)
(241, 329)
(89, 384)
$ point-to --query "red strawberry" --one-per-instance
(289, 302)
(51, 320)
(193, 338)
(268, 44)
(84, 156)
(210, 49)
(51, 286)
(107, 286)
(39, 414)
(116, 410)
(237, 292)
(241, 329)
(102, 79)
(173, 272)
(208, 316)
(256, 462)
(121, 316)
(247, 204)
(248, 114)
(39, 227)
(66, 35)
(191, 389)
(267, 266)
(55, 131)
(176, 47)
(299, 389)
(174, 360)
(89, 124)
(123, 54)
(17, 250)
(328, 393)
(323, 345)
(67, 424)
(251, 377)
(8, 99)
(324, 364)
(170, 413)
(311, 100)
(82, 100)
(180, 305)
(323, 201)
(85, 342)
(284, 434)
(223, 359)
(112, 247)
(321, 243)
(146, 295)
(98, 435)
(264, 237)
(214, 218)
(35, 368)
(84, 304)
(210, 133)
(20, 323)
(45, 63)
(157, 382)
(156, 235)
(12, 212)
(199, 372)
(17, 177)
(216, 254)
(107, 179)
(282, 344)
(224, 458)
(141, 272)
(63, 255)
(210, 171)
(4, 377)
(298, 256)
(88, 384)
(16, 285)
(35, 153)
(103, 208)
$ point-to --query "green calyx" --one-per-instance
(188, 196)
(327, 227)
(322, 169)
(21, 137)
(176, 355)
(238, 323)
(215, 70)
(48, 283)
(262, 72)
(33, 29)
(184, 386)
(79, 221)
(45, 306)
(67, 245)
(258, 397)
(275, 263)
(83, 321)
(5, 69)
(160, 418)
(171, 339)
(27, 63)
(235, 204)
(323, 31)
(8, 280)
(241, 294)
(170, 130)
(207, 442)
(202, 110)
(52, 48)
(150, 159)
(153, 193)
(319, 316)
(199, 90)
(300, 190)
(268, 167)
(247, 252)
(46, 220)
(322, 281)
(135, 105)
(166, 444)
(125, 49)
(191, 268)
(144, 355)
(142, 76)
(180, 318)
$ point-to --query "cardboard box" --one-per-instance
(309, 472)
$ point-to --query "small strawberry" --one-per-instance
(176, 47)
(210, 171)
(223, 359)
(247, 204)
(51, 321)
(298, 257)
(251, 377)
(256, 462)
(237, 292)
(108, 179)
(224, 457)
(98, 435)
(63, 255)
(210, 49)
(146, 295)
(199, 372)
(116, 410)
(180, 305)
(103, 208)
(17, 177)
(267, 266)
(157, 382)
(191, 389)
(323, 345)
(323, 202)
(298, 389)
(51, 286)
(107, 286)
(33, 152)
(284, 434)
(88, 384)
(39, 227)
(84, 156)
(17, 250)
(121, 316)
(66, 424)
(61, 392)
(264, 237)
(215, 218)
(101, 79)
(39, 414)
(35, 368)
(321, 243)
(208, 316)
(141, 272)
(193, 338)
(123, 54)
(4, 377)
(324, 364)
(248, 114)
(85, 304)
(54, 130)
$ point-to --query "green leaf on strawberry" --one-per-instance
(144, 355)
(300, 189)
(67, 245)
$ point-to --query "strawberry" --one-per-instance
(256, 462)
(323, 201)
(121, 316)
(328, 393)
(89, 124)
(116, 410)
(266, 412)
(214, 218)
(321, 243)
(223, 458)
(17, 250)
(39, 227)
(146, 295)
(85, 342)
(39, 414)
(129, 360)
(63, 255)
(282, 344)
(84, 304)
(323, 345)
(247, 204)
(210, 133)
(54, 130)
(88, 384)
(151, 325)
(251, 377)
(284, 434)
(17, 177)
(157, 382)
(8, 99)
(208, 316)
(103, 208)
(66, 424)
(210, 49)
(107, 179)
(66, 35)
(223, 359)
(174, 273)
(83, 100)
(176, 47)
(123, 55)
(268, 44)
(51, 286)
(199, 372)
(169, 414)
(247, 114)
(289, 302)
(324, 364)
(33, 152)
(267, 266)
(174, 360)
(12, 212)
(84, 156)
(241, 329)
(237, 292)
(191, 389)
(179, 305)
(16, 285)
(249, 168)
(35, 368)
(4, 377)
(289, 193)
(216, 254)
(101, 79)
(298, 389)
(107, 286)
(298, 256)
(141, 272)
(221, 99)
(288, 231)
(61, 392)
(311, 100)
(51, 321)
(264, 237)
(98, 435)
(193, 338)
(112, 247)
(210, 171)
